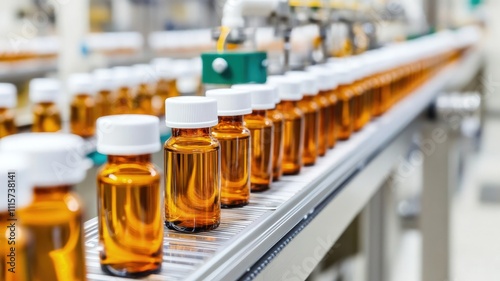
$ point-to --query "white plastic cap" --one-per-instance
(44, 90)
(145, 74)
(124, 77)
(56, 158)
(164, 68)
(326, 81)
(20, 166)
(263, 96)
(191, 112)
(288, 89)
(309, 82)
(252, 87)
(81, 83)
(103, 78)
(128, 134)
(232, 102)
(8, 95)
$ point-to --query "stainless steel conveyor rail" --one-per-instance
(249, 238)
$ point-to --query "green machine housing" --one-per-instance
(242, 68)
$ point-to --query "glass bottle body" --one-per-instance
(368, 85)
(165, 88)
(311, 111)
(123, 101)
(293, 137)
(104, 103)
(359, 105)
(345, 110)
(7, 122)
(262, 141)
(234, 139)
(279, 125)
(129, 212)
(143, 100)
(54, 219)
(192, 180)
(324, 121)
(46, 118)
(333, 125)
(82, 115)
(15, 238)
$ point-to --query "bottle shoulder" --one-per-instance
(230, 132)
(129, 172)
(192, 144)
(258, 122)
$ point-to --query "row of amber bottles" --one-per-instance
(45, 214)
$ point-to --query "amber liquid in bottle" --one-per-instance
(123, 102)
(359, 105)
(192, 180)
(7, 122)
(164, 89)
(234, 139)
(104, 103)
(279, 125)
(17, 260)
(377, 95)
(368, 99)
(130, 216)
(333, 124)
(345, 112)
(293, 137)
(262, 141)
(82, 116)
(143, 101)
(324, 121)
(46, 118)
(311, 111)
(54, 220)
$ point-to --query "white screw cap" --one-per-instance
(326, 81)
(288, 89)
(128, 134)
(191, 112)
(309, 82)
(103, 79)
(44, 90)
(164, 68)
(232, 102)
(263, 96)
(252, 87)
(20, 165)
(81, 83)
(219, 65)
(8, 95)
(56, 158)
(124, 77)
(145, 74)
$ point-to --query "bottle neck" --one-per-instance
(260, 113)
(51, 193)
(45, 103)
(231, 120)
(309, 98)
(120, 159)
(201, 132)
(287, 104)
(4, 110)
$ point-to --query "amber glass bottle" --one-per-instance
(129, 196)
(8, 101)
(82, 107)
(143, 100)
(311, 110)
(54, 219)
(44, 93)
(14, 238)
(262, 137)
(192, 166)
(126, 86)
(166, 85)
(234, 139)
(345, 96)
(105, 94)
(289, 91)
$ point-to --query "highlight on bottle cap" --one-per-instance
(15, 172)
(263, 96)
(326, 81)
(81, 83)
(44, 90)
(232, 102)
(309, 82)
(56, 158)
(8, 95)
(288, 89)
(103, 78)
(265, 87)
(191, 112)
(128, 134)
